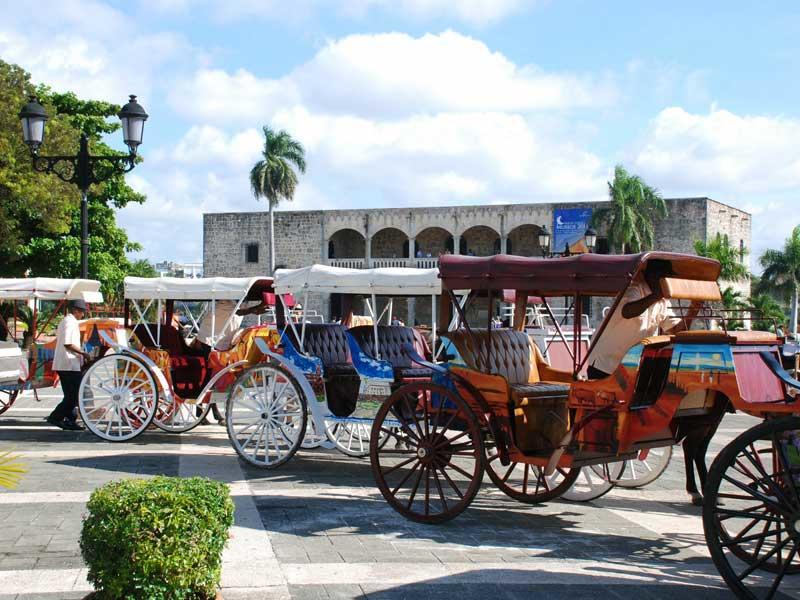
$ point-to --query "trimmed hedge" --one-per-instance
(159, 538)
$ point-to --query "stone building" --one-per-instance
(237, 244)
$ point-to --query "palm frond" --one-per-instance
(10, 471)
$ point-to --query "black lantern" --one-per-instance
(544, 239)
(33, 117)
(591, 238)
(133, 117)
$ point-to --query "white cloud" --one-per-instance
(721, 150)
(473, 12)
(393, 74)
(203, 145)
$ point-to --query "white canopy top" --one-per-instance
(397, 281)
(49, 288)
(178, 288)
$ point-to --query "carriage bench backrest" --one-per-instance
(326, 341)
(391, 340)
(505, 352)
(171, 339)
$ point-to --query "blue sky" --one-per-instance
(423, 102)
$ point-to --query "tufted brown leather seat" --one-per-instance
(514, 356)
(187, 365)
(328, 342)
(391, 340)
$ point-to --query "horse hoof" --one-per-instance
(697, 499)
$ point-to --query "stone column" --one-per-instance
(456, 244)
(504, 244)
(412, 253)
(412, 311)
(368, 243)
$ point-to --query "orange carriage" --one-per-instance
(503, 409)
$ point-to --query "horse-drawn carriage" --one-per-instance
(339, 374)
(25, 356)
(532, 428)
(149, 373)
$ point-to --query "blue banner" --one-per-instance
(569, 227)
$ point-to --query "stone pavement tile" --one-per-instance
(268, 593)
(17, 562)
(344, 591)
(325, 557)
(438, 590)
(60, 562)
(59, 596)
(573, 592)
(671, 592)
(307, 592)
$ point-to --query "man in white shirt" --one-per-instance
(67, 362)
(641, 313)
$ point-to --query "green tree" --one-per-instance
(40, 214)
(732, 300)
(782, 272)
(729, 256)
(629, 219)
(766, 312)
(274, 178)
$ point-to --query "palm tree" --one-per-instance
(634, 205)
(729, 256)
(732, 300)
(782, 272)
(273, 177)
(767, 312)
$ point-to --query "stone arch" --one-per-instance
(481, 240)
(347, 243)
(524, 240)
(434, 241)
(389, 242)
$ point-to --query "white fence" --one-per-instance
(363, 263)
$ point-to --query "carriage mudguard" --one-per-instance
(366, 366)
(308, 365)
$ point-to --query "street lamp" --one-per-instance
(80, 168)
(591, 239)
(544, 241)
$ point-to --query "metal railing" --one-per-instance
(363, 263)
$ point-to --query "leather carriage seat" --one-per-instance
(516, 357)
(717, 336)
(328, 342)
(391, 340)
(188, 367)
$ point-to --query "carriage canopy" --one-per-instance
(48, 288)
(205, 288)
(397, 281)
(688, 276)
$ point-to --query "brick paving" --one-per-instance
(317, 528)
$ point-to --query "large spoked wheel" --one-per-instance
(117, 398)
(751, 513)
(266, 416)
(7, 398)
(525, 482)
(431, 467)
(645, 469)
(312, 439)
(594, 482)
(352, 437)
(180, 415)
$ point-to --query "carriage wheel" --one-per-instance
(593, 482)
(430, 467)
(312, 439)
(117, 398)
(644, 470)
(352, 438)
(751, 512)
(180, 416)
(266, 416)
(7, 398)
(526, 482)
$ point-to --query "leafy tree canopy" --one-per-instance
(39, 213)
(729, 256)
(629, 219)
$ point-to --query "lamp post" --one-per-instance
(80, 168)
(590, 237)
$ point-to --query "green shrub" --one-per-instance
(160, 538)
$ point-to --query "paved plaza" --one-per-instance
(317, 528)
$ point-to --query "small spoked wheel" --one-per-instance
(7, 398)
(526, 482)
(426, 453)
(594, 481)
(312, 439)
(266, 416)
(751, 512)
(180, 416)
(117, 398)
(649, 466)
(351, 437)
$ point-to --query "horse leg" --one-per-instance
(689, 450)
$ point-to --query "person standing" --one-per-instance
(67, 362)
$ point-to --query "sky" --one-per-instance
(434, 102)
